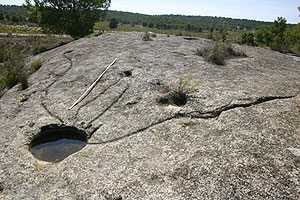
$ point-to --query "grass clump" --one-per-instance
(219, 52)
(36, 65)
(147, 37)
(179, 92)
(13, 70)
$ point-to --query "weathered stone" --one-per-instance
(295, 152)
(229, 141)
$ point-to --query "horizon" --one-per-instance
(233, 9)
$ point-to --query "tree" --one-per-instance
(278, 29)
(279, 26)
(15, 19)
(113, 24)
(76, 17)
(1, 16)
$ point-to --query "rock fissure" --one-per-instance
(95, 98)
(200, 115)
(57, 76)
(110, 105)
(51, 113)
(46, 89)
(218, 111)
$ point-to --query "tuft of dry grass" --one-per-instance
(36, 65)
(180, 91)
(219, 52)
(147, 37)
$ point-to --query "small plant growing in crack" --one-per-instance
(179, 92)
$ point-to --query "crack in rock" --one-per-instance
(218, 111)
(46, 89)
(110, 106)
(198, 115)
(51, 113)
(95, 98)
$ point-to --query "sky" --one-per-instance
(265, 10)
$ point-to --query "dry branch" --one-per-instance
(86, 93)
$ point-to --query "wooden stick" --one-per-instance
(87, 92)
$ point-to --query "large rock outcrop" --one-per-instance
(237, 136)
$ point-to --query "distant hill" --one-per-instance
(184, 22)
(188, 23)
(13, 10)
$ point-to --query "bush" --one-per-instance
(216, 55)
(101, 26)
(248, 38)
(279, 44)
(230, 52)
(293, 39)
(36, 65)
(13, 70)
(113, 24)
(12, 75)
(263, 36)
(220, 51)
(147, 37)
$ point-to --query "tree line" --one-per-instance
(279, 36)
(31, 13)
(181, 22)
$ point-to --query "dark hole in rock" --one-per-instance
(127, 73)
(1, 187)
(177, 98)
(54, 142)
(191, 38)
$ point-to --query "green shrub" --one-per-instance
(263, 36)
(12, 75)
(36, 65)
(248, 38)
(279, 44)
(292, 36)
(13, 70)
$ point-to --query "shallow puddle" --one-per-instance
(57, 150)
(55, 143)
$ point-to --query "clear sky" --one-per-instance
(266, 10)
